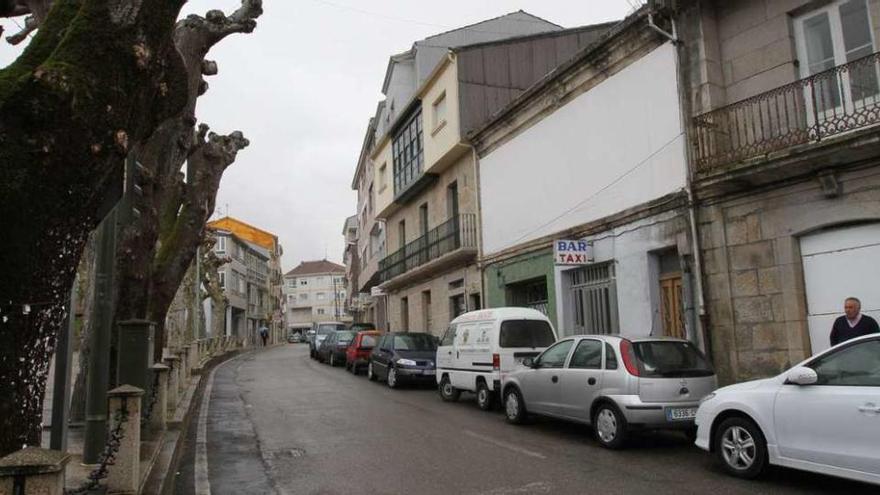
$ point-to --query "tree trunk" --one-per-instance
(96, 80)
(85, 299)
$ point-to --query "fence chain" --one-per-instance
(151, 403)
(108, 456)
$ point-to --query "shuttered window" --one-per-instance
(594, 299)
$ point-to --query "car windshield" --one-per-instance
(415, 342)
(344, 336)
(368, 341)
(526, 333)
(671, 359)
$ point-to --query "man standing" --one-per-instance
(264, 334)
(853, 324)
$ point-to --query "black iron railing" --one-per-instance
(831, 102)
(458, 232)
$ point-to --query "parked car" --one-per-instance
(401, 357)
(361, 327)
(321, 330)
(480, 348)
(332, 349)
(822, 415)
(612, 383)
(295, 337)
(358, 353)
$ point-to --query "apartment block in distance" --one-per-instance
(315, 291)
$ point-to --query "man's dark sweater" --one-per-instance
(841, 331)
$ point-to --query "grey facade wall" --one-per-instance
(753, 269)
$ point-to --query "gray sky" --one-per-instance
(302, 88)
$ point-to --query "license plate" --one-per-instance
(681, 413)
(429, 372)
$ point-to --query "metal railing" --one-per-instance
(457, 232)
(831, 102)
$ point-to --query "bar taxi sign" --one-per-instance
(572, 252)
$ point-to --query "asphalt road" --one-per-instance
(278, 422)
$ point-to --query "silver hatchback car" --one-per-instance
(612, 383)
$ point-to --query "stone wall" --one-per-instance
(439, 286)
(753, 271)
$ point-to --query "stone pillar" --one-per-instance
(181, 371)
(33, 471)
(124, 475)
(195, 356)
(173, 391)
(158, 416)
(187, 363)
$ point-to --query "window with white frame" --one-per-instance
(221, 244)
(320, 311)
(222, 280)
(320, 296)
(835, 34)
(303, 297)
(291, 283)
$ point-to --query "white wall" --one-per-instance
(614, 147)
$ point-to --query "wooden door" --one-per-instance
(671, 306)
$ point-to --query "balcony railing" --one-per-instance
(456, 233)
(831, 102)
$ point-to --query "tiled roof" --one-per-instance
(313, 267)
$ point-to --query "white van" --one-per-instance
(481, 347)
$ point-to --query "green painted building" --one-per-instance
(525, 280)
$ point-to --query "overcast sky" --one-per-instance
(302, 88)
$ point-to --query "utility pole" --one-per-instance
(99, 357)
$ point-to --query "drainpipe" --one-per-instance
(475, 159)
(692, 209)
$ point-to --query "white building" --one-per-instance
(594, 153)
(315, 291)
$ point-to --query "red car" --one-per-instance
(358, 353)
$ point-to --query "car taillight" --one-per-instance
(496, 362)
(629, 357)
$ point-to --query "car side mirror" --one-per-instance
(802, 375)
(529, 362)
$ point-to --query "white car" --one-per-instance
(822, 415)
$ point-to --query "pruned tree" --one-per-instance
(214, 290)
(100, 79)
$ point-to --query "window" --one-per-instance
(457, 305)
(475, 302)
(401, 233)
(415, 342)
(221, 244)
(594, 299)
(383, 177)
(291, 283)
(525, 333)
(423, 219)
(303, 282)
(833, 35)
(370, 199)
(610, 357)
(449, 336)
(857, 365)
(554, 357)
(587, 355)
(407, 153)
(452, 200)
(222, 280)
(320, 311)
(303, 297)
(438, 112)
(529, 294)
(456, 284)
(404, 314)
(320, 296)
(670, 359)
(338, 280)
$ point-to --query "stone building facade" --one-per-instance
(783, 100)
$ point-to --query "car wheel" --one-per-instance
(370, 374)
(514, 406)
(741, 448)
(485, 397)
(391, 379)
(447, 392)
(609, 426)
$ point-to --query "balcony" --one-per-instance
(829, 103)
(452, 242)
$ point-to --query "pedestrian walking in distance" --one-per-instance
(264, 334)
(853, 324)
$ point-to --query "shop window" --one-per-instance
(529, 294)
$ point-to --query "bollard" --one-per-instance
(173, 391)
(135, 345)
(158, 416)
(123, 476)
(33, 471)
